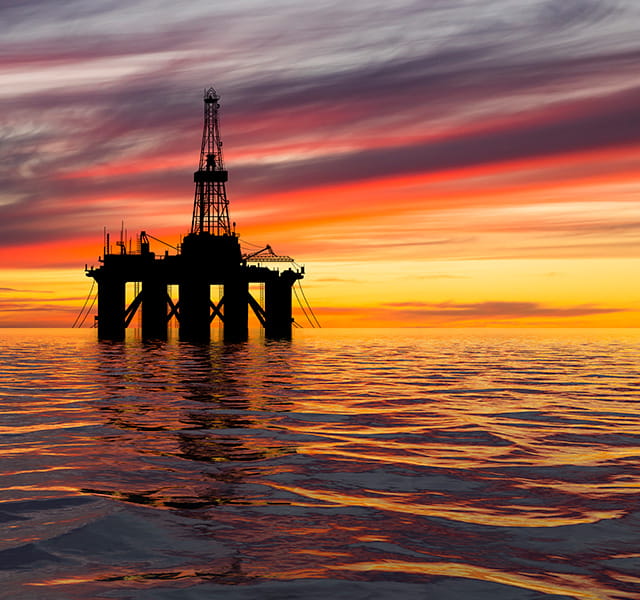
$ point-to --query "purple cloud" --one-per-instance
(494, 309)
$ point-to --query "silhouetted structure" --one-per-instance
(209, 255)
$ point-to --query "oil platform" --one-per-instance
(209, 255)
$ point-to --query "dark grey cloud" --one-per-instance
(316, 72)
(612, 123)
(573, 13)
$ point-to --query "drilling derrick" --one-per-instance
(209, 255)
(211, 236)
(210, 205)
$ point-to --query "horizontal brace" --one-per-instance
(210, 176)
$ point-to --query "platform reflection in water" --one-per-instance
(343, 464)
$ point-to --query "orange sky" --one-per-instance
(430, 166)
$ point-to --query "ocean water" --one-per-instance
(355, 464)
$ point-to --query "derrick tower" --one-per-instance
(210, 205)
(209, 256)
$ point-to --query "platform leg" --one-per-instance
(154, 309)
(111, 301)
(277, 300)
(236, 310)
(194, 311)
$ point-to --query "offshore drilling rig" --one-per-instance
(210, 255)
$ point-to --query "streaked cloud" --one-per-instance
(14, 290)
(355, 131)
(473, 314)
(496, 309)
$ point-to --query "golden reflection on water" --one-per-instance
(455, 510)
(331, 457)
(17, 429)
(583, 588)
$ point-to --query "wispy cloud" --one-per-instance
(14, 290)
(335, 115)
(496, 309)
(452, 314)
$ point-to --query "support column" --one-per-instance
(236, 310)
(154, 309)
(194, 310)
(111, 301)
(277, 302)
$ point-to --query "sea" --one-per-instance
(431, 464)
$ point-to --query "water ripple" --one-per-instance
(499, 463)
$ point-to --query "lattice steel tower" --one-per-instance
(210, 205)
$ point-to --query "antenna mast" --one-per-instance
(210, 205)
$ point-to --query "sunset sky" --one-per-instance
(430, 162)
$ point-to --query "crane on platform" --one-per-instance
(145, 237)
(266, 254)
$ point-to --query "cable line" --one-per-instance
(93, 283)
(88, 310)
(309, 305)
(302, 307)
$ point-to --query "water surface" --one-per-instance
(438, 464)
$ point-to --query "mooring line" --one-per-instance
(93, 283)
